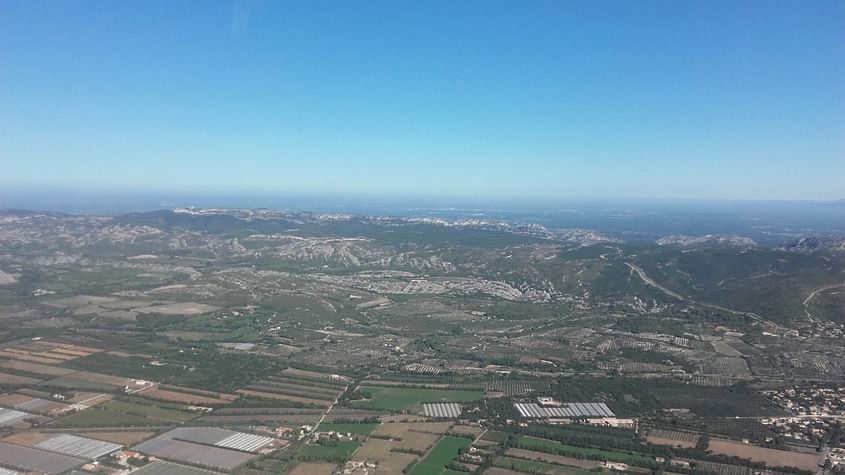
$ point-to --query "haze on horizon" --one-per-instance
(717, 99)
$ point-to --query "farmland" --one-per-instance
(306, 388)
(36, 460)
(404, 399)
(393, 446)
(337, 451)
(533, 466)
(15, 380)
(96, 417)
(117, 413)
(209, 447)
(771, 457)
(553, 459)
(307, 468)
(123, 437)
(278, 415)
(186, 396)
(147, 410)
(33, 404)
(672, 438)
(196, 454)
(396, 342)
(541, 445)
(362, 428)
(436, 461)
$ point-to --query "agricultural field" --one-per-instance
(175, 394)
(336, 451)
(470, 431)
(208, 447)
(148, 410)
(7, 379)
(308, 468)
(36, 405)
(553, 459)
(731, 428)
(771, 457)
(27, 439)
(45, 352)
(277, 396)
(194, 454)
(228, 439)
(305, 388)
(407, 399)
(392, 446)
(436, 461)
(118, 413)
(29, 459)
(720, 468)
(35, 368)
(552, 447)
(96, 417)
(76, 446)
(10, 418)
(672, 438)
(127, 438)
(381, 452)
(362, 428)
(394, 462)
(160, 467)
(501, 471)
(413, 336)
(283, 416)
(88, 399)
(534, 466)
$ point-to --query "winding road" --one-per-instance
(813, 295)
(753, 316)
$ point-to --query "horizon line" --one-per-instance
(12, 189)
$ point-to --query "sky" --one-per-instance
(669, 99)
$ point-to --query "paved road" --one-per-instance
(334, 403)
(648, 280)
(753, 316)
(813, 295)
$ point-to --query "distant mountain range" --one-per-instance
(718, 239)
(225, 220)
(829, 243)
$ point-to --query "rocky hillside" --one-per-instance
(811, 244)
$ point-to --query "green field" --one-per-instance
(122, 413)
(552, 447)
(361, 428)
(440, 455)
(145, 410)
(533, 466)
(330, 453)
(96, 417)
(129, 366)
(398, 399)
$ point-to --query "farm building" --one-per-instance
(571, 409)
(444, 410)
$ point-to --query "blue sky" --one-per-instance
(696, 99)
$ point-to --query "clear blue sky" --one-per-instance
(698, 99)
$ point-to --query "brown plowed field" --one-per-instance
(6, 378)
(771, 457)
(36, 368)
